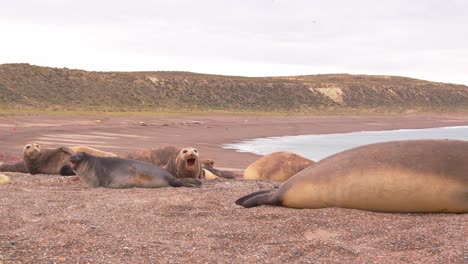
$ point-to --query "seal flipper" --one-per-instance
(185, 182)
(241, 200)
(66, 170)
(259, 198)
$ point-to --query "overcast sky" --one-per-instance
(419, 38)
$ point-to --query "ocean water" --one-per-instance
(319, 146)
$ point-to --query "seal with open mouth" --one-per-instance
(186, 164)
(118, 173)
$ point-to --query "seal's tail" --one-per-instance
(186, 182)
(258, 198)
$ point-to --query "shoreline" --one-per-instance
(208, 133)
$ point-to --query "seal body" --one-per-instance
(399, 176)
(17, 166)
(111, 172)
(46, 161)
(276, 166)
(92, 151)
(186, 164)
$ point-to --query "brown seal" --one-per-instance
(399, 176)
(46, 161)
(276, 166)
(159, 156)
(111, 172)
(186, 164)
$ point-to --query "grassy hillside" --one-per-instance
(23, 86)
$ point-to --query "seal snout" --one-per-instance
(74, 159)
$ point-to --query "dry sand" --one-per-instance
(47, 219)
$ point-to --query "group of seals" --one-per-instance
(111, 172)
(400, 176)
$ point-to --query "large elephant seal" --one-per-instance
(111, 172)
(276, 166)
(186, 164)
(4, 179)
(399, 176)
(92, 151)
(46, 161)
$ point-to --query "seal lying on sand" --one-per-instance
(399, 176)
(186, 164)
(208, 167)
(276, 166)
(110, 172)
(45, 161)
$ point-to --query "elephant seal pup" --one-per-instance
(400, 176)
(186, 164)
(17, 166)
(92, 151)
(45, 161)
(276, 166)
(118, 173)
(4, 179)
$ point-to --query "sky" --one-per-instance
(423, 39)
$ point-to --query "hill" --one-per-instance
(24, 86)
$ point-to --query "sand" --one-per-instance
(55, 219)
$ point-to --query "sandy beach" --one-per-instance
(55, 219)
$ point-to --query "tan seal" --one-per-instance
(186, 164)
(92, 151)
(400, 176)
(276, 166)
(4, 179)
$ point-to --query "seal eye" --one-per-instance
(185, 151)
(195, 151)
(28, 147)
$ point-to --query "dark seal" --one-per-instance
(119, 173)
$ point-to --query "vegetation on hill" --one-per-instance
(24, 86)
